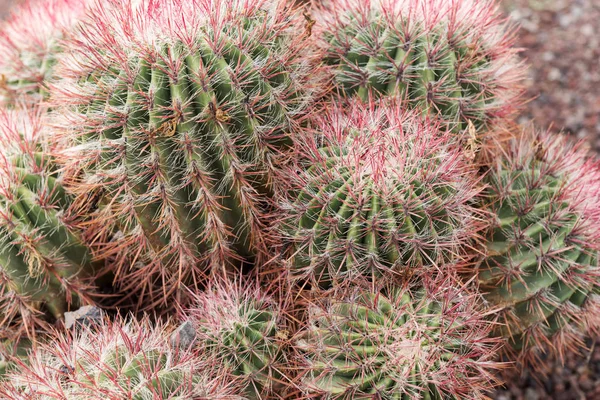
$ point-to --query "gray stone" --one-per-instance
(84, 316)
(184, 336)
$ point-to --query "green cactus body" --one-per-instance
(183, 135)
(10, 352)
(443, 59)
(542, 263)
(386, 195)
(45, 265)
(403, 346)
(241, 328)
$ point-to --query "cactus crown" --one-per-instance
(118, 360)
(448, 58)
(384, 191)
(44, 262)
(405, 344)
(30, 43)
(542, 264)
(176, 112)
(241, 327)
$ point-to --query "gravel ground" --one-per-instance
(561, 42)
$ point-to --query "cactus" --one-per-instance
(241, 327)
(12, 354)
(405, 344)
(118, 360)
(30, 44)
(385, 193)
(185, 107)
(45, 265)
(448, 58)
(541, 273)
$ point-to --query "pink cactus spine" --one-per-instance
(383, 193)
(449, 58)
(30, 42)
(118, 360)
(187, 107)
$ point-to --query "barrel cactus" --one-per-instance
(30, 44)
(45, 266)
(384, 193)
(397, 345)
(118, 360)
(241, 327)
(13, 352)
(541, 271)
(175, 113)
(453, 59)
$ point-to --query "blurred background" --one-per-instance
(560, 40)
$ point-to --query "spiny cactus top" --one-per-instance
(176, 111)
(542, 264)
(29, 44)
(448, 58)
(397, 346)
(115, 361)
(241, 327)
(44, 262)
(384, 193)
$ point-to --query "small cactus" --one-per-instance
(384, 193)
(541, 273)
(12, 354)
(45, 265)
(404, 344)
(184, 108)
(118, 360)
(29, 45)
(452, 59)
(241, 327)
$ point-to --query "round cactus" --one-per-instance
(45, 265)
(176, 111)
(448, 58)
(118, 360)
(241, 327)
(29, 44)
(407, 344)
(384, 193)
(541, 271)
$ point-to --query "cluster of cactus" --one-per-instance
(306, 187)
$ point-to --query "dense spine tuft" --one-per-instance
(541, 271)
(383, 193)
(242, 329)
(176, 113)
(45, 266)
(400, 345)
(453, 59)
